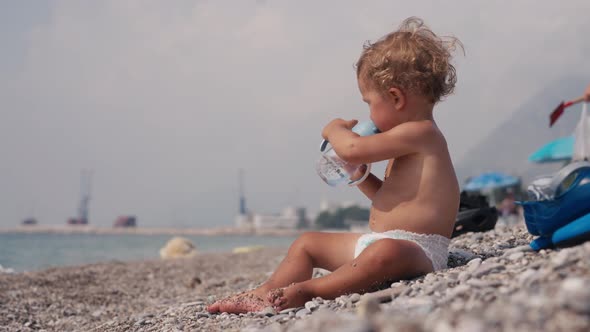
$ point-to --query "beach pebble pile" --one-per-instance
(494, 282)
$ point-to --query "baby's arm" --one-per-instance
(404, 139)
(372, 183)
(370, 186)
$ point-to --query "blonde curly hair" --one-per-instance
(412, 58)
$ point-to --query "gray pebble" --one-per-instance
(354, 298)
(574, 293)
(524, 248)
(464, 254)
(563, 259)
(311, 305)
(367, 307)
(452, 292)
(485, 269)
(516, 256)
(280, 317)
(474, 264)
(464, 276)
(452, 276)
(302, 313)
(288, 310)
(479, 283)
(527, 277)
(138, 323)
(268, 311)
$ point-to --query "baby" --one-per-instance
(401, 77)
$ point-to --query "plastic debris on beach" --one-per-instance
(246, 249)
(178, 247)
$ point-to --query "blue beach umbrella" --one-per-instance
(491, 180)
(560, 149)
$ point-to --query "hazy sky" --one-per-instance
(165, 100)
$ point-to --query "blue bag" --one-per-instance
(562, 217)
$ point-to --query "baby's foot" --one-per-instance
(240, 303)
(293, 296)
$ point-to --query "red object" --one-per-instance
(125, 221)
(560, 108)
(556, 114)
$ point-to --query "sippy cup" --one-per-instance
(335, 171)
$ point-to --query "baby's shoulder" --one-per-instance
(424, 130)
(425, 134)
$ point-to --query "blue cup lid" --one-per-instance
(365, 128)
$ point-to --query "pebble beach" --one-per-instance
(494, 282)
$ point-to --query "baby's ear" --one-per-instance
(397, 97)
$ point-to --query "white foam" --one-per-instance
(6, 270)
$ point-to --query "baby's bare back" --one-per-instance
(419, 194)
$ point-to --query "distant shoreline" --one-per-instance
(84, 229)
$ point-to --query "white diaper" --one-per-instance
(435, 246)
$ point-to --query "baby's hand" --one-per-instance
(359, 172)
(337, 123)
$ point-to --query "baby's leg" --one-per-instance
(312, 249)
(383, 260)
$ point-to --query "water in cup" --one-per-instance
(335, 171)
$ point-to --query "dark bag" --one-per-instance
(475, 215)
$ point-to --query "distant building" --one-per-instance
(290, 218)
(303, 221)
(273, 222)
(125, 221)
(243, 221)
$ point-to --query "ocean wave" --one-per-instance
(6, 270)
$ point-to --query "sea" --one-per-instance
(36, 251)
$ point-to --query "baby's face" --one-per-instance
(382, 110)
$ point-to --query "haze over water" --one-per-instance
(28, 252)
(166, 102)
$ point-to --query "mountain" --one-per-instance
(507, 148)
